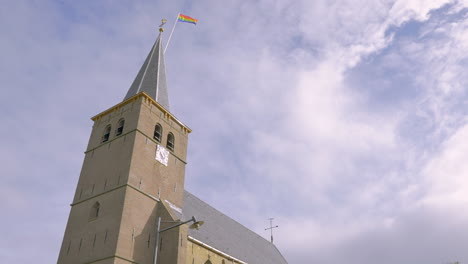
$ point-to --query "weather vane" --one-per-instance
(271, 228)
(163, 22)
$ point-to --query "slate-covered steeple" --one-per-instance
(151, 78)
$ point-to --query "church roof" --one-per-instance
(225, 234)
(151, 78)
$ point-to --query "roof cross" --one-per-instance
(271, 228)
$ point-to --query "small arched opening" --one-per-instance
(157, 132)
(170, 141)
(120, 127)
(94, 212)
(106, 135)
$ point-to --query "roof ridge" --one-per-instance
(225, 215)
(279, 252)
(229, 235)
(237, 222)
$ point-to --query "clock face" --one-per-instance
(162, 155)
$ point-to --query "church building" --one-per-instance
(130, 204)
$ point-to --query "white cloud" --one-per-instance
(329, 129)
(403, 11)
(445, 175)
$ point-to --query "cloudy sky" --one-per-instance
(345, 120)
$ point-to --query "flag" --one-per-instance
(184, 18)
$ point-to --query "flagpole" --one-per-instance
(169, 39)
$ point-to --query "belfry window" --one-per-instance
(157, 132)
(170, 141)
(105, 136)
(120, 127)
(94, 213)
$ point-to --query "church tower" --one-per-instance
(133, 172)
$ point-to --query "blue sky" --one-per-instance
(344, 120)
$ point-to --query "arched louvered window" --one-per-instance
(170, 141)
(106, 135)
(120, 127)
(94, 213)
(157, 132)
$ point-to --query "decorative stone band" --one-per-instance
(113, 189)
(131, 131)
(216, 250)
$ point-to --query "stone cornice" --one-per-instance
(148, 100)
(198, 242)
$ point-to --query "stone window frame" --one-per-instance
(94, 211)
(170, 143)
(106, 134)
(120, 127)
(158, 131)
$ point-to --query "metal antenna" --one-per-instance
(271, 228)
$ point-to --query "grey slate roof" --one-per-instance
(151, 78)
(227, 235)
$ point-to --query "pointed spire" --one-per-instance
(151, 78)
